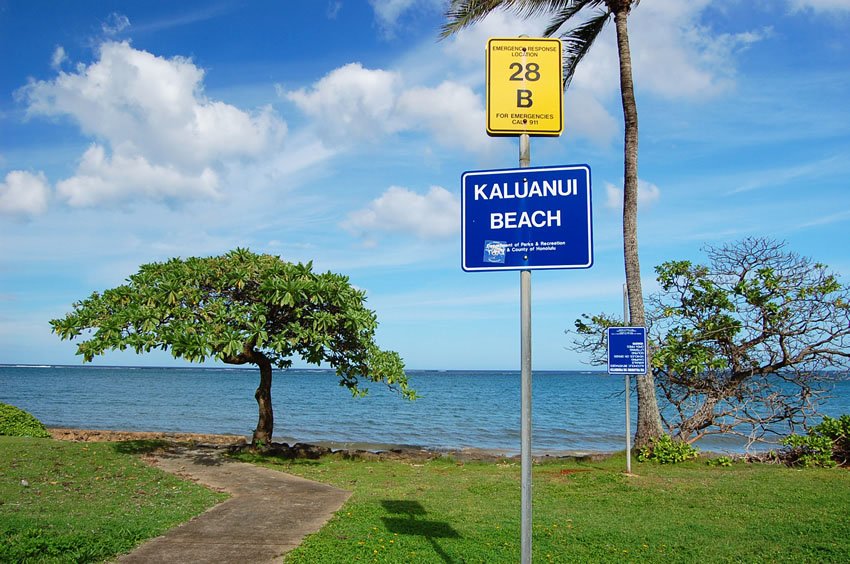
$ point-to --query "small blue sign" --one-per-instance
(526, 218)
(626, 350)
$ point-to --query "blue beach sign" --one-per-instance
(526, 218)
(626, 350)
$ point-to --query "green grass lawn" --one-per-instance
(85, 502)
(91, 501)
(442, 511)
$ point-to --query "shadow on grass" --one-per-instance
(141, 446)
(212, 458)
(264, 458)
(412, 522)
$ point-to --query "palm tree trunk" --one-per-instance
(649, 418)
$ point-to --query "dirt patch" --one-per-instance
(94, 435)
(565, 475)
(568, 471)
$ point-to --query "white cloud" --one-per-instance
(820, 5)
(586, 117)
(59, 57)
(452, 112)
(333, 9)
(675, 55)
(151, 114)
(648, 194)
(352, 104)
(103, 179)
(434, 215)
(115, 24)
(151, 105)
(388, 12)
(23, 193)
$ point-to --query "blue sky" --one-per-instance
(337, 132)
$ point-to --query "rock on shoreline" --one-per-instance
(302, 450)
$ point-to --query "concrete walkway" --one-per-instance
(269, 512)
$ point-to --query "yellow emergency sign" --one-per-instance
(524, 88)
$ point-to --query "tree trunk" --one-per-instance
(263, 395)
(649, 418)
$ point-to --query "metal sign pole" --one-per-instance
(525, 351)
(628, 389)
(513, 87)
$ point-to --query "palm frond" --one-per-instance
(463, 13)
(567, 12)
(577, 42)
(531, 8)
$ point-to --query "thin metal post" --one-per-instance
(628, 389)
(525, 351)
(525, 314)
(524, 151)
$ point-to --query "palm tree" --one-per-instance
(577, 41)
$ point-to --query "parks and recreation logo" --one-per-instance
(494, 251)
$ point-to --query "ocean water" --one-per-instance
(572, 411)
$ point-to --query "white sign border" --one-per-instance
(583, 167)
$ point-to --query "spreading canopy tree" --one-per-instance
(746, 344)
(239, 308)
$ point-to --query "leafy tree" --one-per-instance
(744, 344)
(589, 18)
(240, 308)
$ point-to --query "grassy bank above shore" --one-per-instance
(86, 502)
(90, 501)
(445, 511)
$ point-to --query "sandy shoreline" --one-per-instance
(102, 435)
(379, 450)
